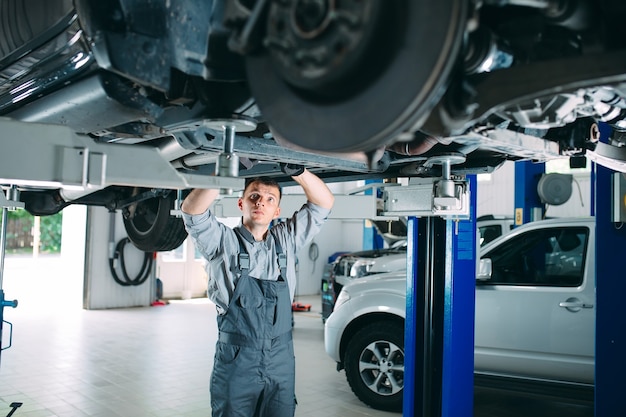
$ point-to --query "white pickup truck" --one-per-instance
(359, 264)
(535, 315)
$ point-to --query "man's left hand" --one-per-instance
(292, 170)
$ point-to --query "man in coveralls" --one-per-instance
(253, 286)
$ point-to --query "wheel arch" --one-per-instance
(361, 321)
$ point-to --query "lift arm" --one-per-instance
(66, 159)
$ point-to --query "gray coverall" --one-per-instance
(254, 368)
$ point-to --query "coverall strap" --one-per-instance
(244, 257)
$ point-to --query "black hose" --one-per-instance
(127, 281)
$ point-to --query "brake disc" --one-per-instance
(353, 75)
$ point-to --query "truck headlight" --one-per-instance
(361, 268)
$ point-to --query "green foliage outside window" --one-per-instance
(50, 229)
(20, 225)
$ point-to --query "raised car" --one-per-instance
(351, 89)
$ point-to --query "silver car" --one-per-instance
(535, 315)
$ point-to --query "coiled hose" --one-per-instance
(126, 280)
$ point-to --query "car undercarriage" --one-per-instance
(354, 89)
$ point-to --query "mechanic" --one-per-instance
(252, 281)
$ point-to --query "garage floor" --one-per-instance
(156, 361)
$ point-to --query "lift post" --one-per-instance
(610, 345)
(439, 327)
(528, 206)
(6, 204)
(441, 265)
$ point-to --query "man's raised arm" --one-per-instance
(316, 191)
(199, 200)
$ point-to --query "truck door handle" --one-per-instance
(574, 304)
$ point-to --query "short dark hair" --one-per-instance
(268, 181)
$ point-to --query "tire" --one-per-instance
(27, 24)
(151, 227)
(378, 381)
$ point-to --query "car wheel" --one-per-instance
(30, 22)
(334, 65)
(151, 227)
(374, 363)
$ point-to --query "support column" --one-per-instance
(439, 329)
(528, 206)
(5, 204)
(610, 384)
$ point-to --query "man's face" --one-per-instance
(259, 204)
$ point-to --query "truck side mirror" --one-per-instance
(485, 269)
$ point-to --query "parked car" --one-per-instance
(534, 322)
(353, 90)
(355, 265)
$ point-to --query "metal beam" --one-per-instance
(48, 156)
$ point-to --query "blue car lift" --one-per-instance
(610, 289)
(6, 204)
(528, 206)
(439, 325)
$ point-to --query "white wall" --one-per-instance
(85, 257)
(497, 195)
(101, 290)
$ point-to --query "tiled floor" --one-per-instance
(153, 361)
(156, 361)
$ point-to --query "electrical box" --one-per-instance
(619, 198)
